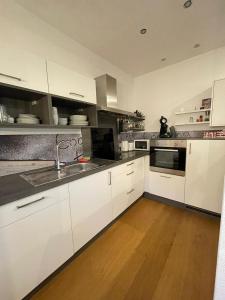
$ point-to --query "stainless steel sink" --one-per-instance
(40, 177)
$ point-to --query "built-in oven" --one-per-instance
(168, 156)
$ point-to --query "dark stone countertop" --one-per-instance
(14, 187)
(190, 138)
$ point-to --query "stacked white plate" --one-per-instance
(78, 120)
(27, 119)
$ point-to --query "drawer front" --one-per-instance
(167, 186)
(20, 209)
(124, 168)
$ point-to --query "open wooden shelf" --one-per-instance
(192, 123)
(192, 111)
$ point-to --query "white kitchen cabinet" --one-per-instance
(67, 83)
(218, 103)
(205, 169)
(23, 69)
(127, 185)
(120, 190)
(136, 181)
(167, 185)
(146, 174)
(35, 239)
(91, 207)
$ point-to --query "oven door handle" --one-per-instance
(166, 150)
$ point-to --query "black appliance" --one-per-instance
(168, 156)
(102, 140)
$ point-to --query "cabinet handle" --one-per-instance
(76, 94)
(131, 191)
(109, 178)
(10, 76)
(23, 205)
(130, 173)
(168, 177)
(166, 150)
(190, 149)
(130, 164)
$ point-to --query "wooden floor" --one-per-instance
(153, 252)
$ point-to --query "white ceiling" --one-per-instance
(111, 28)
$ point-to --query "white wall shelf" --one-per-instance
(192, 123)
(192, 111)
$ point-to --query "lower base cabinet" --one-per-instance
(167, 186)
(127, 185)
(35, 243)
(91, 207)
(40, 233)
(205, 170)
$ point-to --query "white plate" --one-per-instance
(85, 122)
(78, 118)
(27, 116)
(27, 121)
(79, 124)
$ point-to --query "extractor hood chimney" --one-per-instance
(106, 90)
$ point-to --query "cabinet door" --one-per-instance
(147, 175)
(136, 181)
(67, 83)
(34, 247)
(23, 69)
(91, 208)
(205, 170)
(218, 103)
(120, 190)
(167, 186)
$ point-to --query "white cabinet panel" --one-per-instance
(146, 174)
(23, 69)
(67, 83)
(120, 188)
(136, 181)
(205, 169)
(167, 186)
(12, 212)
(32, 248)
(127, 184)
(91, 207)
(218, 103)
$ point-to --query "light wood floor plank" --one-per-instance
(153, 252)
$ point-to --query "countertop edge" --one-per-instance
(26, 190)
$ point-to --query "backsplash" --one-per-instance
(130, 136)
(39, 147)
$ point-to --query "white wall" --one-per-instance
(21, 29)
(184, 84)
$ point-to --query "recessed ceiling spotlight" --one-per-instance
(196, 46)
(187, 3)
(163, 59)
(143, 31)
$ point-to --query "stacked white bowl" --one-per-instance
(78, 120)
(63, 121)
(27, 119)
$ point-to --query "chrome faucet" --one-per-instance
(57, 162)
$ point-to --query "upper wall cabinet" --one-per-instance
(23, 69)
(218, 103)
(67, 83)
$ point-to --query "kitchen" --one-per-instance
(99, 199)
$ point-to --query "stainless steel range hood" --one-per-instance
(106, 89)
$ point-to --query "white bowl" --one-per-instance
(63, 121)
